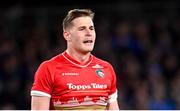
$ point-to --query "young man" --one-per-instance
(75, 79)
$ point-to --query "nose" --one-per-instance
(88, 32)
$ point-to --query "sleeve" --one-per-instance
(42, 85)
(113, 91)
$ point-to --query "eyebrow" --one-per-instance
(92, 26)
(85, 26)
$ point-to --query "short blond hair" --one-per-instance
(75, 13)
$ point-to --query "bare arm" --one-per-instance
(40, 103)
(113, 106)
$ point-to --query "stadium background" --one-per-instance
(140, 39)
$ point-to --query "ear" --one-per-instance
(66, 35)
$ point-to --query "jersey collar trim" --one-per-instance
(74, 62)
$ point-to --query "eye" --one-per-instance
(91, 28)
(81, 28)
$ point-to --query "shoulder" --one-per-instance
(102, 62)
(47, 67)
(52, 61)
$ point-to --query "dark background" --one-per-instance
(139, 38)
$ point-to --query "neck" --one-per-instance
(80, 57)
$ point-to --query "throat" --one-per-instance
(79, 57)
(83, 59)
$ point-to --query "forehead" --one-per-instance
(82, 21)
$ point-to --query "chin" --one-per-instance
(87, 51)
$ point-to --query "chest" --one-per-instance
(85, 78)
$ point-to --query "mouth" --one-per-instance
(88, 41)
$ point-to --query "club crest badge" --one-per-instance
(100, 73)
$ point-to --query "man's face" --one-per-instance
(81, 35)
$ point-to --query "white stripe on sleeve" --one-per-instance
(39, 93)
(112, 97)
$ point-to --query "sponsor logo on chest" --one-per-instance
(90, 86)
(70, 74)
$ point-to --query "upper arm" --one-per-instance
(113, 106)
(113, 95)
(40, 103)
(42, 88)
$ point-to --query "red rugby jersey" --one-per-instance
(72, 85)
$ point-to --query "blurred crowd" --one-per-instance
(144, 53)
